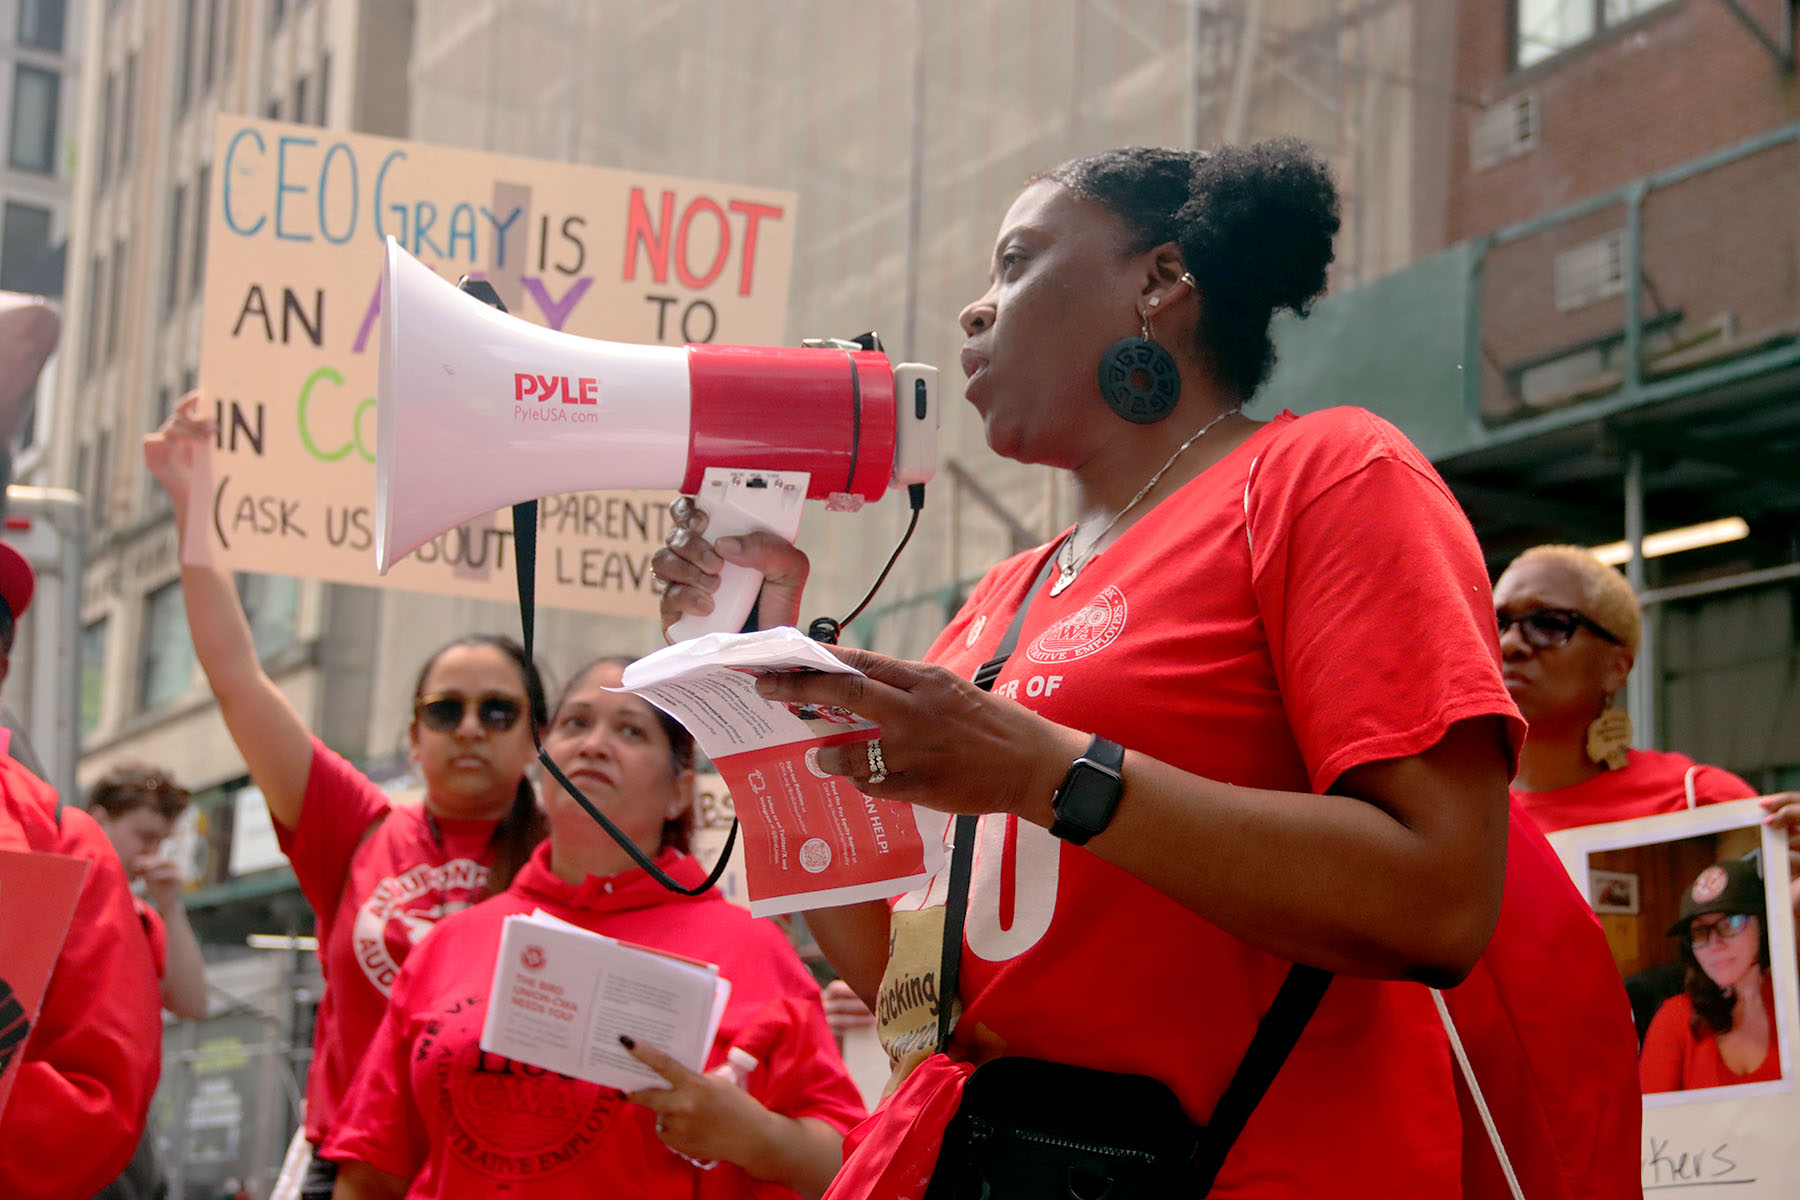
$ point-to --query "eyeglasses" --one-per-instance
(1699, 935)
(442, 713)
(1548, 628)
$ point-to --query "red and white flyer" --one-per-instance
(811, 840)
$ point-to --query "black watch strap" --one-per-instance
(1084, 805)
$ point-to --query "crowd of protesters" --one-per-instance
(1197, 819)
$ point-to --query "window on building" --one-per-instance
(202, 211)
(166, 659)
(34, 99)
(96, 309)
(41, 24)
(127, 110)
(272, 109)
(300, 110)
(277, 10)
(93, 675)
(228, 38)
(177, 226)
(209, 51)
(272, 604)
(184, 57)
(84, 458)
(1544, 28)
(108, 105)
(113, 298)
(100, 498)
(325, 89)
(24, 241)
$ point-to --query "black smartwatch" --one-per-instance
(1089, 794)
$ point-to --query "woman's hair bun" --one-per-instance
(1266, 215)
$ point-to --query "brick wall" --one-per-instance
(1659, 90)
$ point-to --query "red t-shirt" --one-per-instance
(1313, 602)
(378, 879)
(91, 1062)
(1652, 782)
(431, 1107)
(1677, 1060)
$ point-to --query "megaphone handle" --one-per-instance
(737, 502)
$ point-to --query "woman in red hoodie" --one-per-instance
(433, 1115)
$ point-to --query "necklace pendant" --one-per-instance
(1064, 577)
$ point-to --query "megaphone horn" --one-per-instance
(477, 410)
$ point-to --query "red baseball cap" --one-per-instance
(17, 580)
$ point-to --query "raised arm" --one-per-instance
(269, 732)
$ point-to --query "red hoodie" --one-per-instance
(433, 1108)
(91, 1063)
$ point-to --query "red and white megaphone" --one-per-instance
(477, 410)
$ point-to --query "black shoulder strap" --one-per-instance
(962, 854)
(1276, 1034)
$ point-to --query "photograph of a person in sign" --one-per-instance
(1720, 1029)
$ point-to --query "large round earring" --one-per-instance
(1139, 379)
(1607, 737)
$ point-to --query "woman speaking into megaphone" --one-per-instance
(350, 846)
(1250, 715)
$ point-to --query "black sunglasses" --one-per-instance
(443, 713)
(1547, 628)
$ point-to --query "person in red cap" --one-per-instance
(1721, 1029)
(91, 1060)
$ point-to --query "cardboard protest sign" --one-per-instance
(1696, 909)
(292, 314)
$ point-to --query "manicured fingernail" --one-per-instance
(626, 1042)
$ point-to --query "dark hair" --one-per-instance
(1254, 224)
(523, 826)
(677, 832)
(1712, 1004)
(131, 786)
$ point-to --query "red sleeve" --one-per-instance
(1665, 1048)
(803, 1073)
(335, 814)
(81, 1096)
(1374, 596)
(378, 1122)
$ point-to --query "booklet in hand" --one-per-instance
(562, 995)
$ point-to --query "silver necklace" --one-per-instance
(1069, 563)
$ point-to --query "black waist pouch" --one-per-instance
(1035, 1130)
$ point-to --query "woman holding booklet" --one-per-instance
(433, 1115)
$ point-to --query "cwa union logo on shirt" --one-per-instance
(403, 908)
(1088, 630)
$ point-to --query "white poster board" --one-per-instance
(1735, 1140)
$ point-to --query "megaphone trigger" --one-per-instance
(737, 502)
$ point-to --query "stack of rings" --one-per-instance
(877, 767)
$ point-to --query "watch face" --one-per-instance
(1087, 798)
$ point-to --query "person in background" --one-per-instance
(90, 1063)
(137, 806)
(1569, 632)
(1721, 1029)
(434, 1116)
(378, 875)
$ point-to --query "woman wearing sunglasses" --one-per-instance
(1569, 629)
(378, 875)
(1721, 1029)
(432, 1115)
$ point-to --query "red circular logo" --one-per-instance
(533, 958)
(1710, 885)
